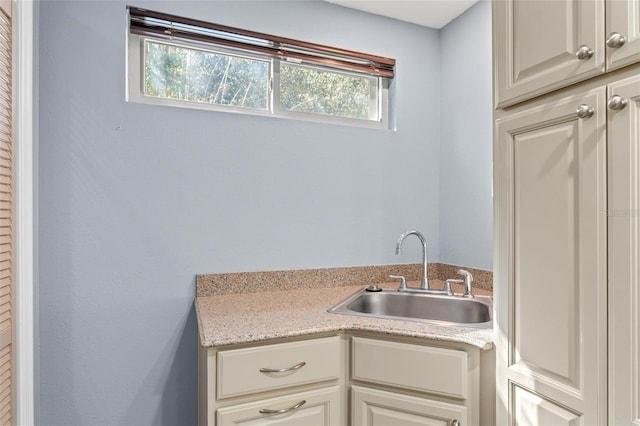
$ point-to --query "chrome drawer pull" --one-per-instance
(617, 103)
(284, 410)
(616, 40)
(584, 52)
(585, 111)
(283, 370)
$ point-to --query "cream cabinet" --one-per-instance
(541, 46)
(373, 407)
(264, 368)
(318, 407)
(397, 383)
(622, 19)
(551, 221)
(623, 133)
(567, 235)
(363, 379)
(291, 383)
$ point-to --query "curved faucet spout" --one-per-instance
(425, 282)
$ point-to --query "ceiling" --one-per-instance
(429, 13)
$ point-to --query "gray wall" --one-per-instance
(466, 139)
(134, 200)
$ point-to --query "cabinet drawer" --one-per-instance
(239, 370)
(434, 370)
(314, 408)
(375, 407)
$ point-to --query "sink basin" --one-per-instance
(444, 310)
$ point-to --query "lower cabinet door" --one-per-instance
(532, 410)
(374, 407)
(313, 408)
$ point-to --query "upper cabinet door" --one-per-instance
(622, 33)
(540, 46)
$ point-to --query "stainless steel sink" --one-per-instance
(444, 310)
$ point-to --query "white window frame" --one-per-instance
(135, 87)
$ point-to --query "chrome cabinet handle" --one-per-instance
(284, 410)
(584, 52)
(283, 370)
(454, 422)
(585, 111)
(616, 40)
(617, 103)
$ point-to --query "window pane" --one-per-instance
(177, 72)
(323, 92)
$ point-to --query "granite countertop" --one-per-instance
(235, 318)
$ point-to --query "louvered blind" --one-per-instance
(158, 24)
(6, 219)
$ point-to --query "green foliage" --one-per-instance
(312, 90)
(182, 73)
(175, 72)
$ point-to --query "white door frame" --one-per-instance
(24, 214)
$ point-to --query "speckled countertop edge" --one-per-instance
(236, 318)
(261, 281)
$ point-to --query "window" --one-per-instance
(195, 75)
(319, 91)
(187, 63)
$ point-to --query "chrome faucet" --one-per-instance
(425, 282)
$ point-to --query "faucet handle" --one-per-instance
(403, 281)
(468, 279)
(447, 285)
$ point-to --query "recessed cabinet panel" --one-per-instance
(546, 207)
(314, 408)
(552, 257)
(558, 39)
(374, 407)
(422, 368)
(623, 17)
(536, 44)
(251, 370)
(623, 132)
(532, 410)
